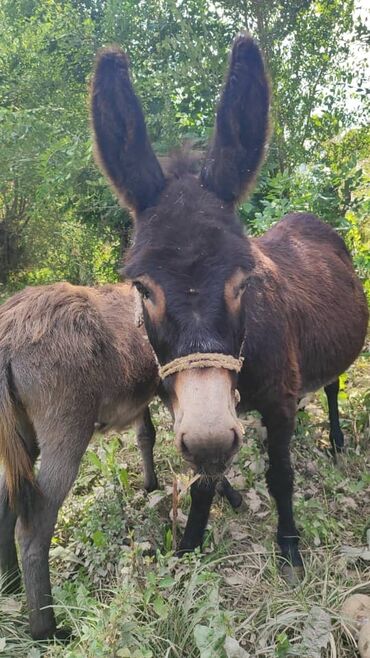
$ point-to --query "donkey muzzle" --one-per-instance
(208, 433)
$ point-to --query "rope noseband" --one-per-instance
(201, 360)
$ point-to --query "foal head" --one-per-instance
(190, 260)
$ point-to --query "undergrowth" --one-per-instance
(122, 592)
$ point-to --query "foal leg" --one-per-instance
(202, 493)
(145, 437)
(60, 459)
(8, 555)
(9, 566)
(336, 434)
(279, 422)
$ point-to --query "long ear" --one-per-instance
(122, 147)
(242, 125)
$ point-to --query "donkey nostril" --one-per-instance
(184, 448)
(236, 443)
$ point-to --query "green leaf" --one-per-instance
(99, 538)
(210, 641)
(161, 607)
(94, 459)
(123, 477)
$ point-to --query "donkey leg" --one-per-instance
(145, 437)
(9, 567)
(336, 434)
(225, 489)
(60, 459)
(202, 493)
(280, 425)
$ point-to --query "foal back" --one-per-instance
(70, 356)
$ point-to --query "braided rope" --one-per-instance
(201, 360)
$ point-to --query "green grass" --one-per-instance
(121, 601)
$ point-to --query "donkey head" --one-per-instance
(190, 260)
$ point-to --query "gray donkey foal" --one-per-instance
(71, 359)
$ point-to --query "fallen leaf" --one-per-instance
(353, 553)
(316, 632)
(356, 611)
(346, 501)
(155, 498)
(258, 467)
(10, 606)
(209, 641)
(238, 532)
(253, 500)
(234, 650)
(258, 548)
(233, 580)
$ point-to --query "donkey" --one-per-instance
(273, 317)
(71, 359)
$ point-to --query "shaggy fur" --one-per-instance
(71, 359)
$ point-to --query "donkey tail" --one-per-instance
(18, 465)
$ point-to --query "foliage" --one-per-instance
(50, 190)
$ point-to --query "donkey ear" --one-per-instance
(242, 125)
(122, 147)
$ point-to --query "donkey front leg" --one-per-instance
(202, 494)
(145, 437)
(279, 421)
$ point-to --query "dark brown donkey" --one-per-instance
(71, 358)
(289, 303)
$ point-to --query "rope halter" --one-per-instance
(201, 360)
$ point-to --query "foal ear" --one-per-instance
(242, 125)
(122, 147)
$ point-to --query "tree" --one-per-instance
(49, 185)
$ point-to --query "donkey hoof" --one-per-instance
(63, 634)
(293, 575)
(235, 499)
(183, 548)
(337, 452)
(151, 485)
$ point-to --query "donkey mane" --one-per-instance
(182, 161)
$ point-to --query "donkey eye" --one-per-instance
(142, 290)
(240, 288)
